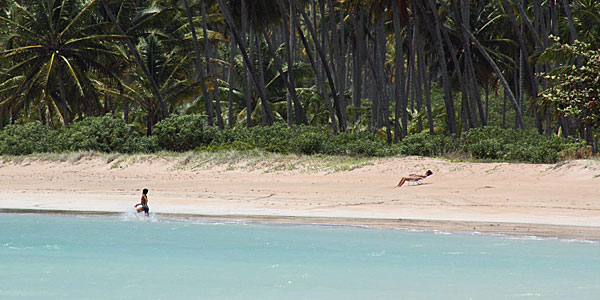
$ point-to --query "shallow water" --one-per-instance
(67, 257)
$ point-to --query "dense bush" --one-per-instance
(526, 145)
(424, 144)
(358, 142)
(26, 139)
(103, 134)
(183, 133)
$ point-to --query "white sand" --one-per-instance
(551, 200)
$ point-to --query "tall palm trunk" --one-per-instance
(247, 76)
(199, 70)
(416, 76)
(328, 103)
(523, 47)
(232, 52)
(289, 75)
(466, 115)
(242, 45)
(399, 92)
(290, 41)
(208, 97)
(488, 58)
(426, 80)
(332, 86)
(301, 115)
(342, 63)
(356, 72)
(267, 115)
(62, 101)
(538, 47)
(567, 8)
(475, 96)
(380, 78)
(448, 100)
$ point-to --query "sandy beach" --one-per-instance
(558, 200)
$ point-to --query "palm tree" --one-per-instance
(147, 15)
(52, 50)
(167, 64)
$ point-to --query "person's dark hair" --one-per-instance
(429, 172)
(145, 191)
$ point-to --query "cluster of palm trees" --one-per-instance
(393, 66)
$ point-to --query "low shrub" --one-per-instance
(357, 143)
(26, 139)
(524, 146)
(424, 144)
(183, 133)
(103, 134)
(191, 132)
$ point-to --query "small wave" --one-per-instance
(377, 254)
(442, 232)
(452, 253)
(132, 215)
(563, 240)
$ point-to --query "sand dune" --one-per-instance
(561, 199)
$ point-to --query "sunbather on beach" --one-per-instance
(414, 177)
(143, 205)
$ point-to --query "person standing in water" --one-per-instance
(143, 205)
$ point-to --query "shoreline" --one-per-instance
(546, 200)
(582, 233)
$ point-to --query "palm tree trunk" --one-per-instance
(285, 30)
(426, 80)
(208, 98)
(62, 103)
(417, 80)
(242, 45)
(264, 107)
(357, 69)
(467, 119)
(301, 115)
(319, 78)
(336, 101)
(448, 100)
(523, 47)
(400, 77)
(474, 88)
(342, 63)
(230, 83)
(247, 78)
(291, 45)
(504, 111)
(572, 30)
(501, 77)
(380, 64)
(199, 70)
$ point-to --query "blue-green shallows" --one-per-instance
(66, 257)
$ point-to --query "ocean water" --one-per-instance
(69, 257)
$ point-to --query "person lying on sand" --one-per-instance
(143, 205)
(414, 177)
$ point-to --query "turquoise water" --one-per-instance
(66, 257)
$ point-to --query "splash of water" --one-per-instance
(131, 214)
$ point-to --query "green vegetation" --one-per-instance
(489, 79)
(190, 132)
